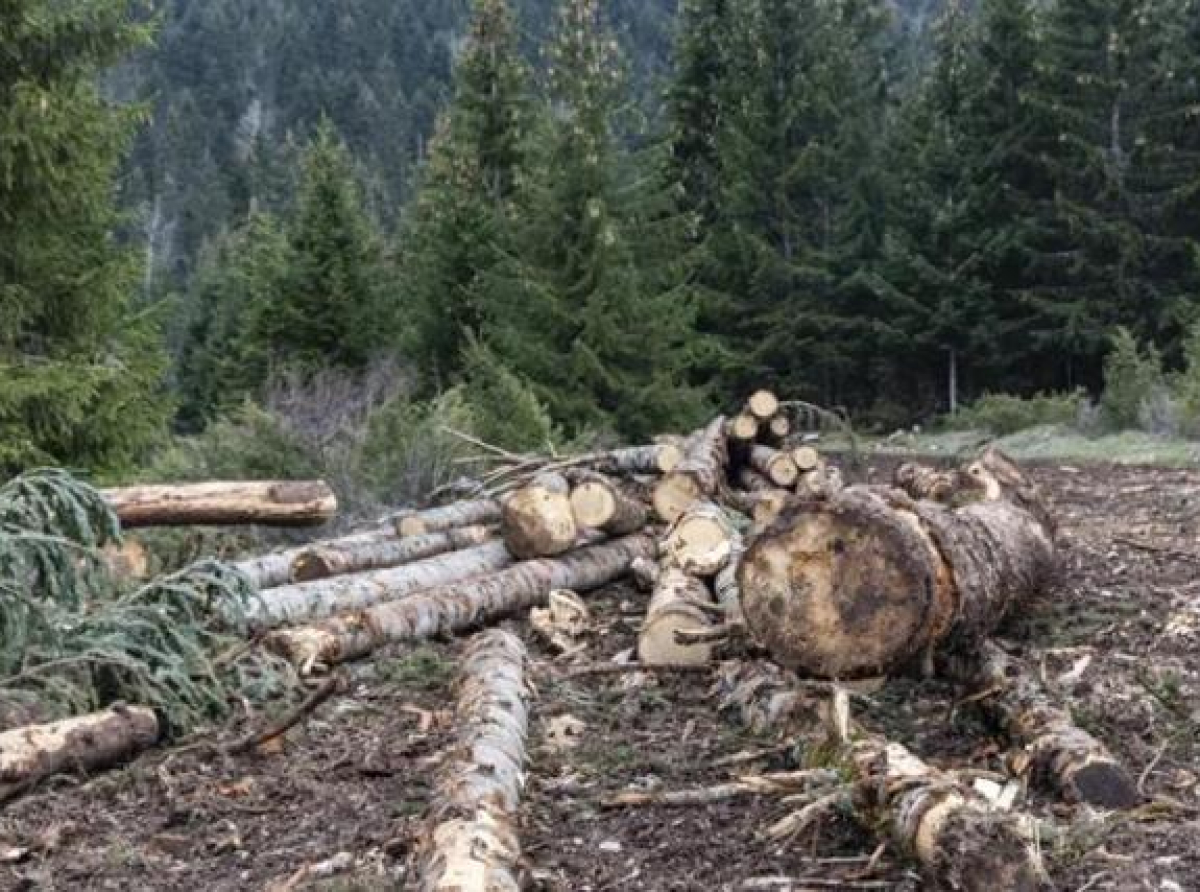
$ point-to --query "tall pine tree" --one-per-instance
(80, 369)
(593, 307)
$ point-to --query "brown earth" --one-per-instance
(1120, 640)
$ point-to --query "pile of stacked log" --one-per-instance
(741, 532)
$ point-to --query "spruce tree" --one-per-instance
(336, 304)
(593, 307)
(80, 369)
(475, 159)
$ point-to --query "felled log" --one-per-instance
(320, 561)
(763, 404)
(600, 504)
(700, 542)
(660, 458)
(459, 606)
(741, 433)
(1060, 753)
(307, 601)
(725, 585)
(958, 840)
(775, 465)
(88, 742)
(822, 482)
(457, 514)
(472, 844)
(275, 568)
(922, 482)
(676, 605)
(806, 458)
(537, 521)
(775, 430)
(645, 573)
(861, 584)
(282, 503)
(697, 477)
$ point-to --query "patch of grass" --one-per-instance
(424, 668)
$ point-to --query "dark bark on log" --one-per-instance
(1061, 754)
(288, 503)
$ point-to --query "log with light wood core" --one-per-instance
(959, 841)
(1061, 753)
(676, 605)
(283, 503)
(775, 465)
(459, 514)
(775, 430)
(763, 404)
(700, 542)
(307, 601)
(87, 742)
(823, 482)
(456, 607)
(741, 434)
(806, 458)
(861, 584)
(599, 504)
(472, 844)
(537, 520)
(319, 561)
(697, 477)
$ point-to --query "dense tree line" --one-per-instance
(815, 207)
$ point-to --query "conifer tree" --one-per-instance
(335, 305)
(593, 307)
(475, 160)
(80, 371)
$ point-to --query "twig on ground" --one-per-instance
(327, 689)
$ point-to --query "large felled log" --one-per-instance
(478, 512)
(701, 541)
(600, 504)
(537, 521)
(675, 606)
(959, 841)
(307, 601)
(1060, 752)
(923, 482)
(822, 482)
(861, 584)
(319, 561)
(88, 742)
(456, 607)
(776, 466)
(285, 503)
(697, 477)
(473, 844)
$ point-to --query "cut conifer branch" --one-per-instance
(285, 503)
(699, 476)
(674, 607)
(1060, 753)
(320, 561)
(600, 504)
(774, 465)
(472, 844)
(476, 512)
(308, 601)
(460, 606)
(862, 584)
(85, 743)
(701, 541)
(537, 520)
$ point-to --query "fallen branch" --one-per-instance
(334, 558)
(281, 726)
(776, 784)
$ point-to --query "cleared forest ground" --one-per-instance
(1120, 640)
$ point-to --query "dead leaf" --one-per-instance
(564, 732)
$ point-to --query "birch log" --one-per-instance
(473, 845)
(699, 476)
(536, 519)
(285, 503)
(763, 404)
(959, 841)
(320, 561)
(861, 584)
(700, 542)
(806, 458)
(88, 742)
(599, 504)
(676, 605)
(307, 601)
(776, 466)
(457, 514)
(275, 568)
(656, 459)
(1060, 753)
(457, 607)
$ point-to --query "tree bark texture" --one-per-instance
(285, 503)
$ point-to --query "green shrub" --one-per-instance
(1003, 414)
(1131, 375)
(504, 409)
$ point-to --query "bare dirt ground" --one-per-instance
(1120, 641)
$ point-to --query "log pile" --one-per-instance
(738, 532)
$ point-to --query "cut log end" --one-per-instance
(674, 608)
(669, 457)
(806, 458)
(978, 851)
(743, 428)
(674, 495)
(538, 521)
(1102, 783)
(763, 404)
(413, 525)
(593, 504)
(701, 542)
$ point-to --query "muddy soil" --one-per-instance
(1120, 641)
